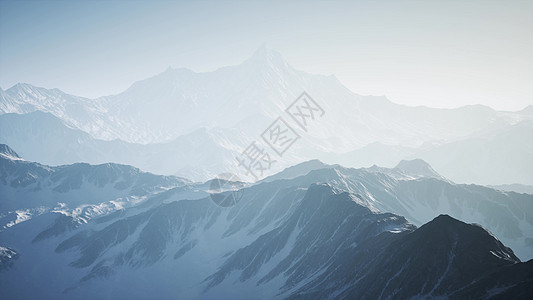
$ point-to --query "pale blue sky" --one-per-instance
(440, 54)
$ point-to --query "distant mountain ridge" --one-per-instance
(420, 197)
(321, 234)
(179, 101)
(230, 107)
(417, 167)
(80, 191)
(44, 138)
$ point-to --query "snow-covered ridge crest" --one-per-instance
(179, 101)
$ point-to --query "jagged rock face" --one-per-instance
(509, 282)
(327, 221)
(506, 214)
(318, 234)
(436, 260)
(294, 234)
(279, 241)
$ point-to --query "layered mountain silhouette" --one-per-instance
(78, 191)
(222, 112)
(312, 231)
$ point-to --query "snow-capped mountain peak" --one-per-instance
(265, 57)
(7, 152)
(417, 167)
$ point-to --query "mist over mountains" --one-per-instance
(311, 231)
(158, 123)
(116, 197)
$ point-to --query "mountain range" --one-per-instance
(312, 231)
(141, 194)
(159, 123)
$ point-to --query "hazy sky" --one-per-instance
(440, 54)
